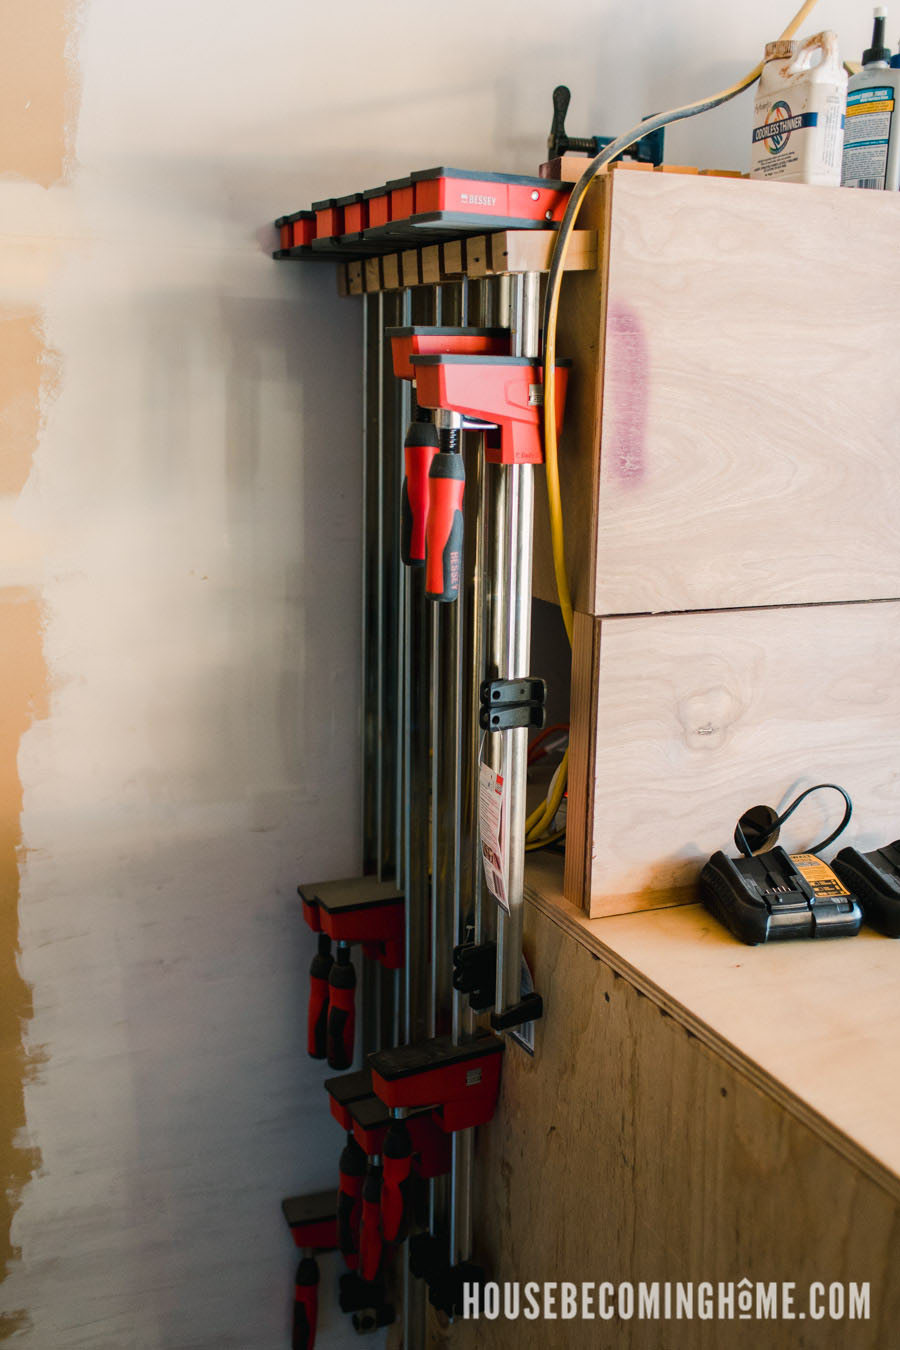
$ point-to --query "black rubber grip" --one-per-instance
(446, 482)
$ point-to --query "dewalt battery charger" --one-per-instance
(771, 895)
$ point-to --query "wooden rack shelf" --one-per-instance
(484, 255)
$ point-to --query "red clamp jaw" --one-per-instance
(506, 391)
(425, 341)
(362, 910)
(371, 1119)
(459, 1082)
(312, 1220)
(343, 1091)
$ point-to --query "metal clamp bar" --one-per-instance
(519, 531)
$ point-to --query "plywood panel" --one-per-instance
(835, 1061)
(693, 718)
(580, 338)
(628, 1150)
(749, 431)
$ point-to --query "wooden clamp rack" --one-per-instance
(479, 256)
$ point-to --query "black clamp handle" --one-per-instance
(529, 1009)
(648, 150)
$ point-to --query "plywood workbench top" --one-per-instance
(814, 1024)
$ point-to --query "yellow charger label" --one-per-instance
(819, 875)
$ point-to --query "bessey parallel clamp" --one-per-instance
(312, 1220)
(360, 910)
(507, 392)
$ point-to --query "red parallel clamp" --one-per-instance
(329, 218)
(402, 197)
(378, 201)
(355, 211)
(370, 1120)
(310, 907)
(459, 1082)
(515, 198)
(343, 1091)
(296, 230)
(506, 391)
(431, 341)
(359, 909)
(312, 1220)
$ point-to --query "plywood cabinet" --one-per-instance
(732, 504)
(733, 422)
(694, 1112)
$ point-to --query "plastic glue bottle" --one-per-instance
(798, 112)
(872, 135)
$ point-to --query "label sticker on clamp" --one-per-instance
(490, 828)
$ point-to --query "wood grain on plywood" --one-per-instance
(690, 719)
(834, 1062)
(581, 338)
(629, 1150)
(748, 455)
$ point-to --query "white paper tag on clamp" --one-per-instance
(490, 825)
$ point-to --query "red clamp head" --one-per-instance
(343, 1091)
(423, 341)
(460, 1082)
(312, 1220)
(359, 910)
(507, 391)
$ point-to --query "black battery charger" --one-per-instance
(771, 895)
(875, 878)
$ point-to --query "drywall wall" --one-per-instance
(179, 590)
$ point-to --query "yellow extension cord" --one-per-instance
(542, 817)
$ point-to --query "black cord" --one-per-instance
(741, 840)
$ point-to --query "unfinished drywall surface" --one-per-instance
(183, 537)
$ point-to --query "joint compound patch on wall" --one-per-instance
(39, 92)
(21, 376)
(23, 697)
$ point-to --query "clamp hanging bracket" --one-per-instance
(512, 703)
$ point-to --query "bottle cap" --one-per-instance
(878, 51)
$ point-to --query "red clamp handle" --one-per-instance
(341, 1011)
(419, 449)
(396, 1191)
(371, 1236)
(317, 1017)
(306, 1305)
(349, 1207)
(447, 485)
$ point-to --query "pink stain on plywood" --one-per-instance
(625, 396)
